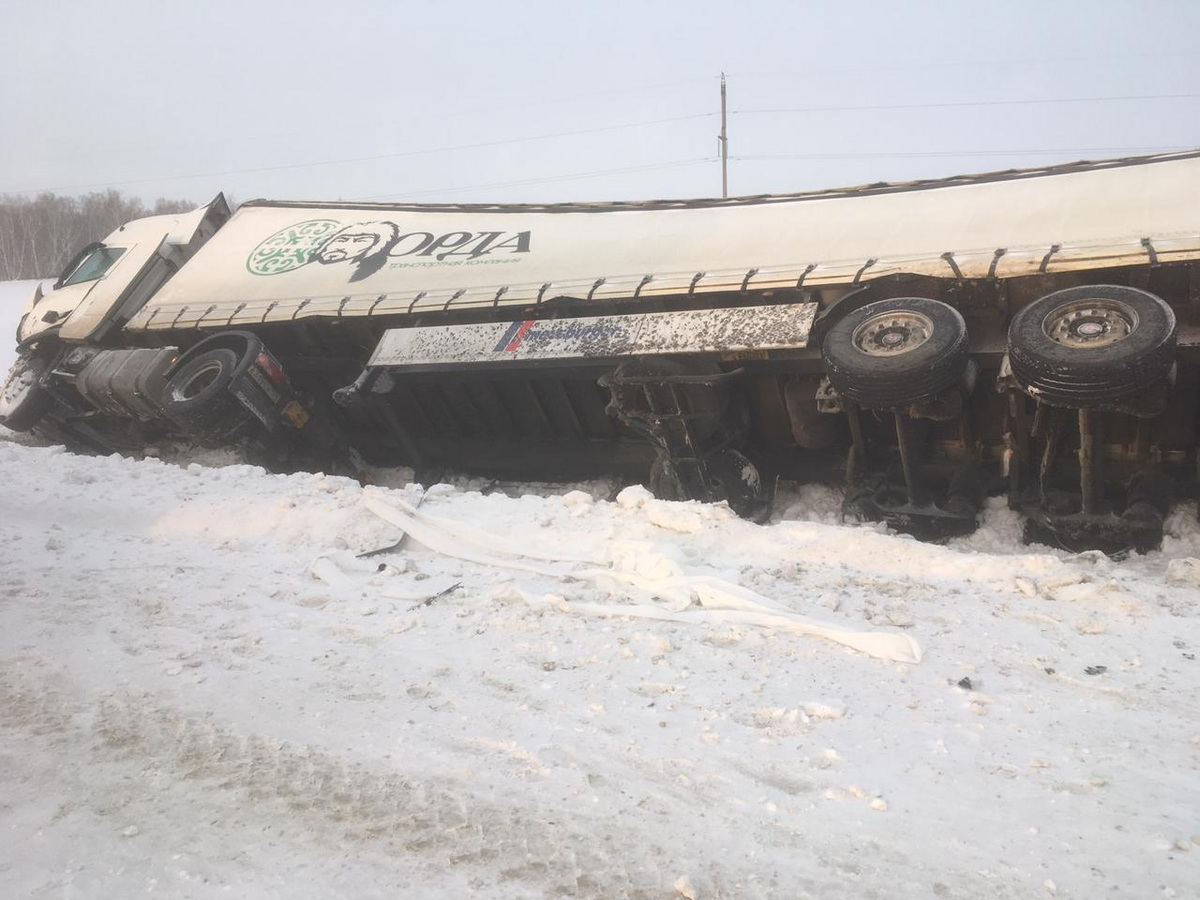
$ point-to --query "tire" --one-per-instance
(733, 477)
(23, 400)
(1129, 344)
(198, 400)
(896, 353)
(663, 483)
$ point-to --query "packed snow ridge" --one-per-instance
(205, 690)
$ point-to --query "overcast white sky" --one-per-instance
(526, 101)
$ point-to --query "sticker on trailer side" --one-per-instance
(742, 329)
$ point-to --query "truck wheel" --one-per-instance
(198, 400)
(895, 353)
(663, 481)
(23, 400)
(1086, 346)
(734, 478)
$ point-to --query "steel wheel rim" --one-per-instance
(892, 333)
(1090, 323)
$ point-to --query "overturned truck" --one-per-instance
(1030, 333)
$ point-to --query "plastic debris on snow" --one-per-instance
(349, 577)
(652, 586)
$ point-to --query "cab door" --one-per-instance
(50, 311)
(139, 269)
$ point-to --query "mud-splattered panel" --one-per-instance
(598, 337)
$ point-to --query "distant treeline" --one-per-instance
(39, 235)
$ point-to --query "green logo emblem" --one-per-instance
(290, 248)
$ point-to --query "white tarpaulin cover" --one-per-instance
(646, 585)
(277, 261)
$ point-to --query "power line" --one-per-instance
(913, 65)
(1024, 102)
(951, 153)
(371, 158)
(573, 98)
(343, 128)
(526, 181)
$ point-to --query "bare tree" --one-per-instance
(39, 235)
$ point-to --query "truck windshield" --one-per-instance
(94, 265)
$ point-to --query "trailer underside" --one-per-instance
(727, 425)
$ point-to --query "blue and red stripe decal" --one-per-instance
(513, 337)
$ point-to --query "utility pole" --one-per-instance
(724, 140)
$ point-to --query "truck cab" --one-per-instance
(108, 281)
(62, 364)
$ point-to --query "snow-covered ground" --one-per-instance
(203, 693)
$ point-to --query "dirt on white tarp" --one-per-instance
(205, 692)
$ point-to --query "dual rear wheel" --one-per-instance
(1081, 347)
(896, 353)
(1092, 346)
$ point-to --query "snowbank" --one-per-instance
(205, 692)
(190, 707)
